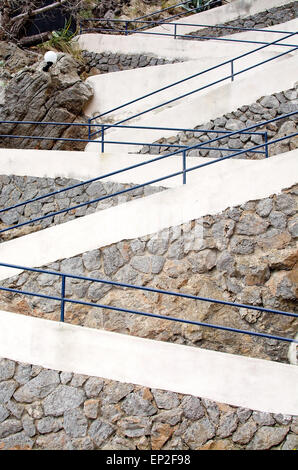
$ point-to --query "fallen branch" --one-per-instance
(35, 39)
(31, 13)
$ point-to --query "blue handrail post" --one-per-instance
(89, 129)
(62, 298)
(184, 166)
(175, 31)
(102, 139)
(126, 28)
(232, 70)
(266, 144)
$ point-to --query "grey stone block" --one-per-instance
(63, 398)
(38, 387)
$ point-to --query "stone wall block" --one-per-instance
(135, 405)
(198, 433)
(100, 431)
(251, 224)
(7, 369)
(266, 108)
(202, 261)
(38, 387)
(7, 389)
(75, 423)
(63, 398)
(267, 437)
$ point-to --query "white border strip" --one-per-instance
(238, 381)
(83, 166)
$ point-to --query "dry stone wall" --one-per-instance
(261, 20)
(264, 109)
(44, 409)
(108, 62)
(18, 189)
(246, 254)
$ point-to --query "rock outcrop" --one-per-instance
(30, 94)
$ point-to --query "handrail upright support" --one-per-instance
(232, 70)
(89, 129)
(266, 144)
(62, 311)
(184, 166)
(175, 31)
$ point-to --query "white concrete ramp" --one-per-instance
(197, 108)
(115, 88)
(169, 48)
(235, 380)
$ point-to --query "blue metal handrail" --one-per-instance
(230, 76)
(202, 146)
(102, 132)
(175, 35)
(63, 300)
(183, 172)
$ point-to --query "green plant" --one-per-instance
(64, 40)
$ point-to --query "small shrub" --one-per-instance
(64, 40)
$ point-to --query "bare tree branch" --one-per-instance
(13, 18)
(29, 14)
(36, 39)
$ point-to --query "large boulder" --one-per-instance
(31, 94)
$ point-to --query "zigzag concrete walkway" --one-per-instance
(239, 381)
